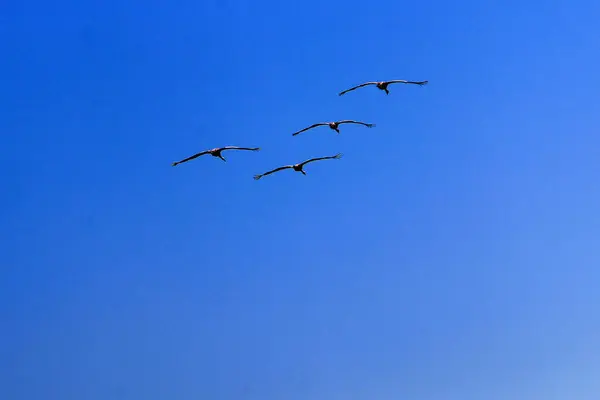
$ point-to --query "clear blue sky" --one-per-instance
(453, 253)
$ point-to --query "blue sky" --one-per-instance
(452, 253)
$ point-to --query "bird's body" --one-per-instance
(383, 85)
(297, 167)
(334, 125)
(216, 152)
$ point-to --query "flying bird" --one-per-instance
(298, 167)
(383, 85)
(216, 152)
(335, 125)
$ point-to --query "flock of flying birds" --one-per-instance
(382, 85)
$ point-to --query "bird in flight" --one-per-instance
(216, 153)
(298, 167)
(335, 125)
(383, 85)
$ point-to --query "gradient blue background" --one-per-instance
(453, 253)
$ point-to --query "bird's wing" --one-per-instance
(257, 177)
(356, 87)
(339, 155)
(350, 121)
(420, 83)
(191, 157)
(240, 148)
(310, 127)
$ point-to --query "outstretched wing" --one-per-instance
(420, 83)
(350, 121)
(339, 155)
(356, 87)
(257, 177)
(310, 127)
(239, 148)
(191, 157)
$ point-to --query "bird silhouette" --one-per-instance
(216, 152)
(298, 167)
(334, 125)
(383, 85)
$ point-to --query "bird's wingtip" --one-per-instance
(257, 177)
(174, 164)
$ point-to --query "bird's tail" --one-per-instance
(257, 177)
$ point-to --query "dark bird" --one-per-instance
(335, 125)
(298, 167)
(216, 153)
(383, 85)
